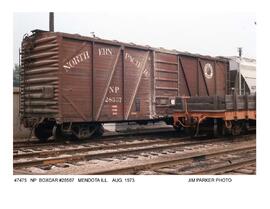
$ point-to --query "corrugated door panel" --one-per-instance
(76, 80)
(221, 70)
(108, 87)
(189, 67)
(166, 81)
(137, 84)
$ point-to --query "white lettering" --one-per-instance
(104, 51)
(114, 89)
(67, 67)
(146, 73)
(117, 89)
(113, 100)
(133, 60)
(76, 60)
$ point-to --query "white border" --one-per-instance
(148, 191)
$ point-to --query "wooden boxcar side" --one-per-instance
(71, 78)
(187, 75)
(104, 81)
(98, 80)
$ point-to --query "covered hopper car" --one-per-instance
(70, 84)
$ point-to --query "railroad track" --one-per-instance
(224, 167)
(108, 150)
(154, 153)
(223, 164)
(106, 137)
(172, 160)
(245, 170)
(106, 146)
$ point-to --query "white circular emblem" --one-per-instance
(208, 71)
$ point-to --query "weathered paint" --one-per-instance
(39, 80)
(76, 79)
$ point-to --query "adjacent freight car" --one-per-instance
(220, 115)
(215, 115)
(71, 84)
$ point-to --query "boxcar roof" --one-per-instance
(132, 45)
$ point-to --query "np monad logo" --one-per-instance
(208, 71)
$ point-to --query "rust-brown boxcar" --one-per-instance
(70, 84)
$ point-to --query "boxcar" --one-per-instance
(71, 84)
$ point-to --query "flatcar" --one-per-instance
(215, 115)
(71, 84)
(221, 115)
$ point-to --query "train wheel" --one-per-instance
(99, 131)
(178, 128)
(236, 129)
(227, 128)
(87, 131)
(43, 131)
(246, 127)
(218, 128)
(57, 133)
(190, 131)
(225, 131)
